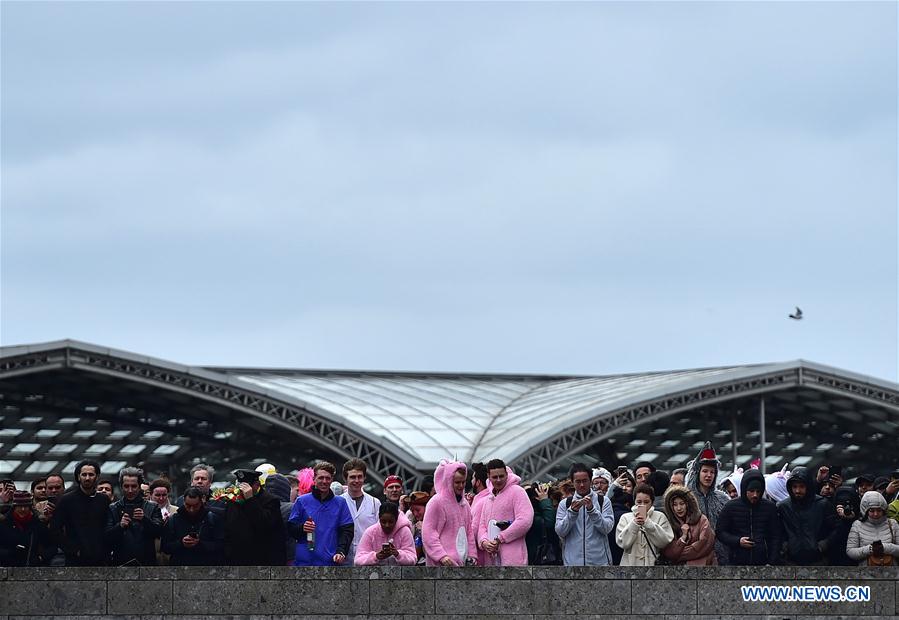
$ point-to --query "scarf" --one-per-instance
(21, 521)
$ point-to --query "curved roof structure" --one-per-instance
(406, 422)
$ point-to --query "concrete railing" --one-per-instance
(275, 593)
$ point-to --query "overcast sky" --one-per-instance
(558, 188)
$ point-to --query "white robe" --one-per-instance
(363, 518)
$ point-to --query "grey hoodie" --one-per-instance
(712, 503)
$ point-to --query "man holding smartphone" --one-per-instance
(749, 526)
(133, 524)
(193, 535)
(584, 521)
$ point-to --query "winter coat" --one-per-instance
(510, 504)
(137, 542)
(808, 524)
(619, 509)
(79, 527)
(699, 550)
(711, 504)
(865, 532)
(477, 507)
(759, 522)
(542, 528)
(26, 545)
(278, 486)
(210, 551)
(254, 532)
(364, 517)
(447, 521)
(893, 510)
(642, 544)
(375, 537)
(586, 532)
(333, 528)
(836, 552)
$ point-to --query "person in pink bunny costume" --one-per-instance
(446, 532)
(505, 519)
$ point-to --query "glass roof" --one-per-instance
(425, 417)
(470, 417)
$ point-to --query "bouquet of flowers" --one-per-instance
(228, 494)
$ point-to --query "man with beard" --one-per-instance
(809, 521)
(78, 523)
(193, 535)
(749, 525)
(447, 534)
(321, 522)
(506, 518)
(133, 523)
(254, 532)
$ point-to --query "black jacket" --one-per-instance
(209, 551)
(809, 524)
(836, 552)
(30, 546)
(759, 522)
(79, 526)
(254, 532)
(620, 507)
(138, 540)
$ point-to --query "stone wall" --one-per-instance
(394, 593)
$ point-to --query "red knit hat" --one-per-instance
(707, 455)
(392, 480)
(21, 498)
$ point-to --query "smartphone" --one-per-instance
(194, 534)
(836, 470)
(385, 546)
(51, 500)
(894, 475)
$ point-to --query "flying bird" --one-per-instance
(796, 315)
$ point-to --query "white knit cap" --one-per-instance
(602, 472)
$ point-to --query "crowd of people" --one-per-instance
(478, 515)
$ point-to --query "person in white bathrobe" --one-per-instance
(363, 507)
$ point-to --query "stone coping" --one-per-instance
(407, 593)
(156, 573)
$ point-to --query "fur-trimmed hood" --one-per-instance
(693, 512)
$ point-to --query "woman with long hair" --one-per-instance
(694, 538)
